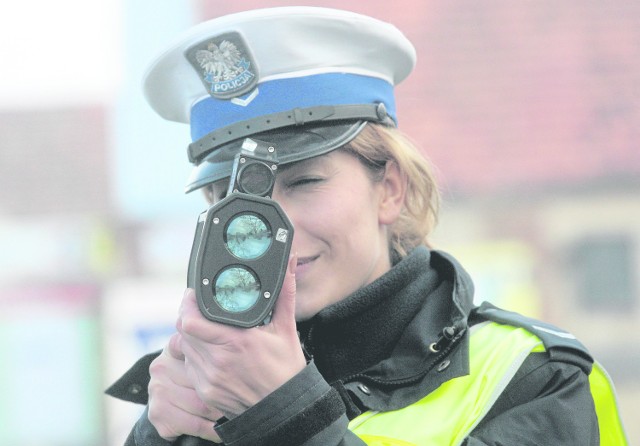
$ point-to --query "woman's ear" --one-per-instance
(393, 192)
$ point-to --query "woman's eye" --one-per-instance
(305, 181)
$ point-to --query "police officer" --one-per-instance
(374, 338)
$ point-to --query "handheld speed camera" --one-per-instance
(241, 246)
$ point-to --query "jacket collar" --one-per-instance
(399, 337)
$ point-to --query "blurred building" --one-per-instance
(529, 111)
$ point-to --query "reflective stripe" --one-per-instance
(604, 395)
(450, 413)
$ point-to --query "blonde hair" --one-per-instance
(377, 145)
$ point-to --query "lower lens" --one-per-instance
(247, 236)
(237, 289)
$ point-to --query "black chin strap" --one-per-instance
(197, 150)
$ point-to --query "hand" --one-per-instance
(174, 406)
(234, 368)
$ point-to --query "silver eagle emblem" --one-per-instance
(225, 66)
(220, 63)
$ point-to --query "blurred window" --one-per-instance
(605, 267)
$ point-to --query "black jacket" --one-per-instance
(374, 351)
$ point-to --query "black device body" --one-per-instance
(242, 243)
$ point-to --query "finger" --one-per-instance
(189, 301)
(191, 321)
(181, 423)
(187, 400)
(174, 348)
(166, 369)
(170, 389)
(285, 308)
(187, 291)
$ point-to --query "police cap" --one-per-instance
(306, 79)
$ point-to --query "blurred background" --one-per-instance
(530, 111)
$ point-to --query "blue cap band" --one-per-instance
(286, 94)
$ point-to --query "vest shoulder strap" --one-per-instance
(561, 345)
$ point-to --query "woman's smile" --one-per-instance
(303, 266)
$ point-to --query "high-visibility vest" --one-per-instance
(450, 413)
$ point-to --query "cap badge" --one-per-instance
(224, 65)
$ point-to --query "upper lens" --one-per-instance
(237, 289)
(248, 236)
(256, 179)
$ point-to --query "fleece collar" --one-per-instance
(383, 336)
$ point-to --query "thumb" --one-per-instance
(174, 348)
(284, 312)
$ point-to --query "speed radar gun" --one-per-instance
(241, 246)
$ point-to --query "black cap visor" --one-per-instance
(292, 143)
(297, 135)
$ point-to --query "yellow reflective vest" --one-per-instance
(450, 413)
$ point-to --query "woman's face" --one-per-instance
(340, 216)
